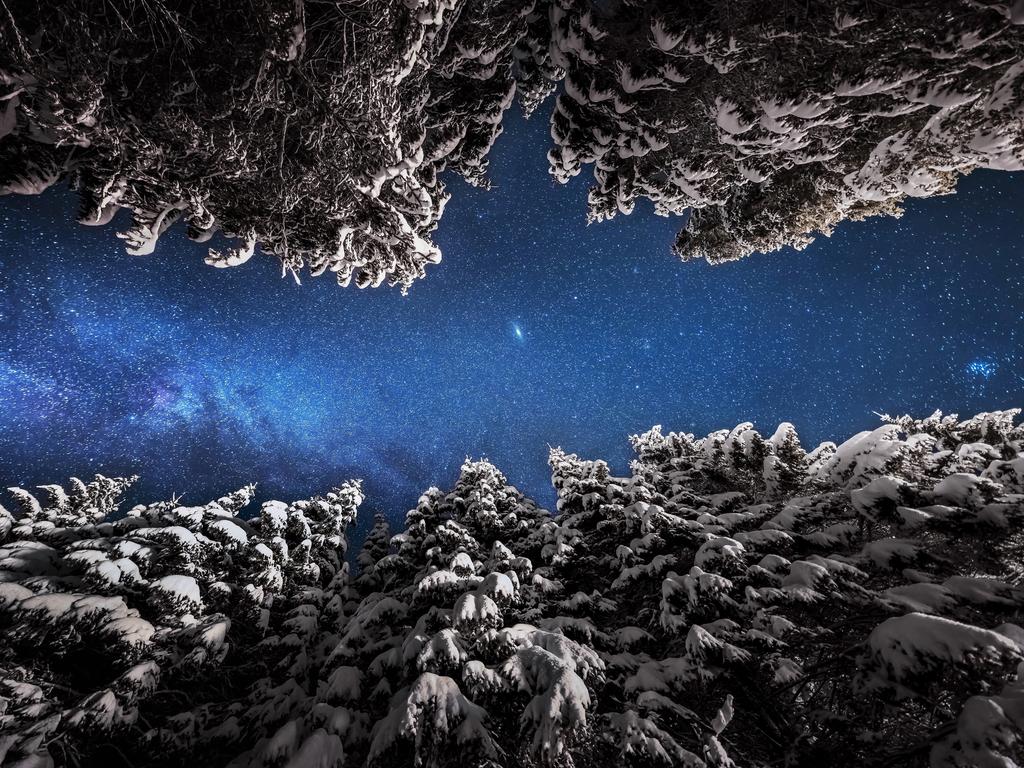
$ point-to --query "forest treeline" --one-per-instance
(734, 600)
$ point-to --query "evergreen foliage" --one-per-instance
(773, 121)
(734, 601)
(317, 130)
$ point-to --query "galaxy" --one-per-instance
(535, 330)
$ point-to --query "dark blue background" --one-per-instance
(534, 330)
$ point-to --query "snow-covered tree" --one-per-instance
(313, 131)
(127, 631)
(734, 600)
(770, 122)
(318, 131)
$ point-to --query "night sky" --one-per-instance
(534, 330)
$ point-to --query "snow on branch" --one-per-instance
(704, 611)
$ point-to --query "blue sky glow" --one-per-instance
(534, 330)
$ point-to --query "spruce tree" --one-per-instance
(733, 600)
(316, 132)
(769, 123)
(320, 132)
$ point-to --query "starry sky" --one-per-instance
(535, 330)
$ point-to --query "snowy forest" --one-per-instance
(735, 601)
(322, 131)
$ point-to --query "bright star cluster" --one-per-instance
(535, 330)
(983, 368)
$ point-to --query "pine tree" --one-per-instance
(127, 632)
(315, 132)
(769, 123)
(734, 600)
(318, 132)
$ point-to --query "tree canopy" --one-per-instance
(318, 130)
(735, 600)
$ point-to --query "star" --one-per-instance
(982, 368)
(202, 380)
